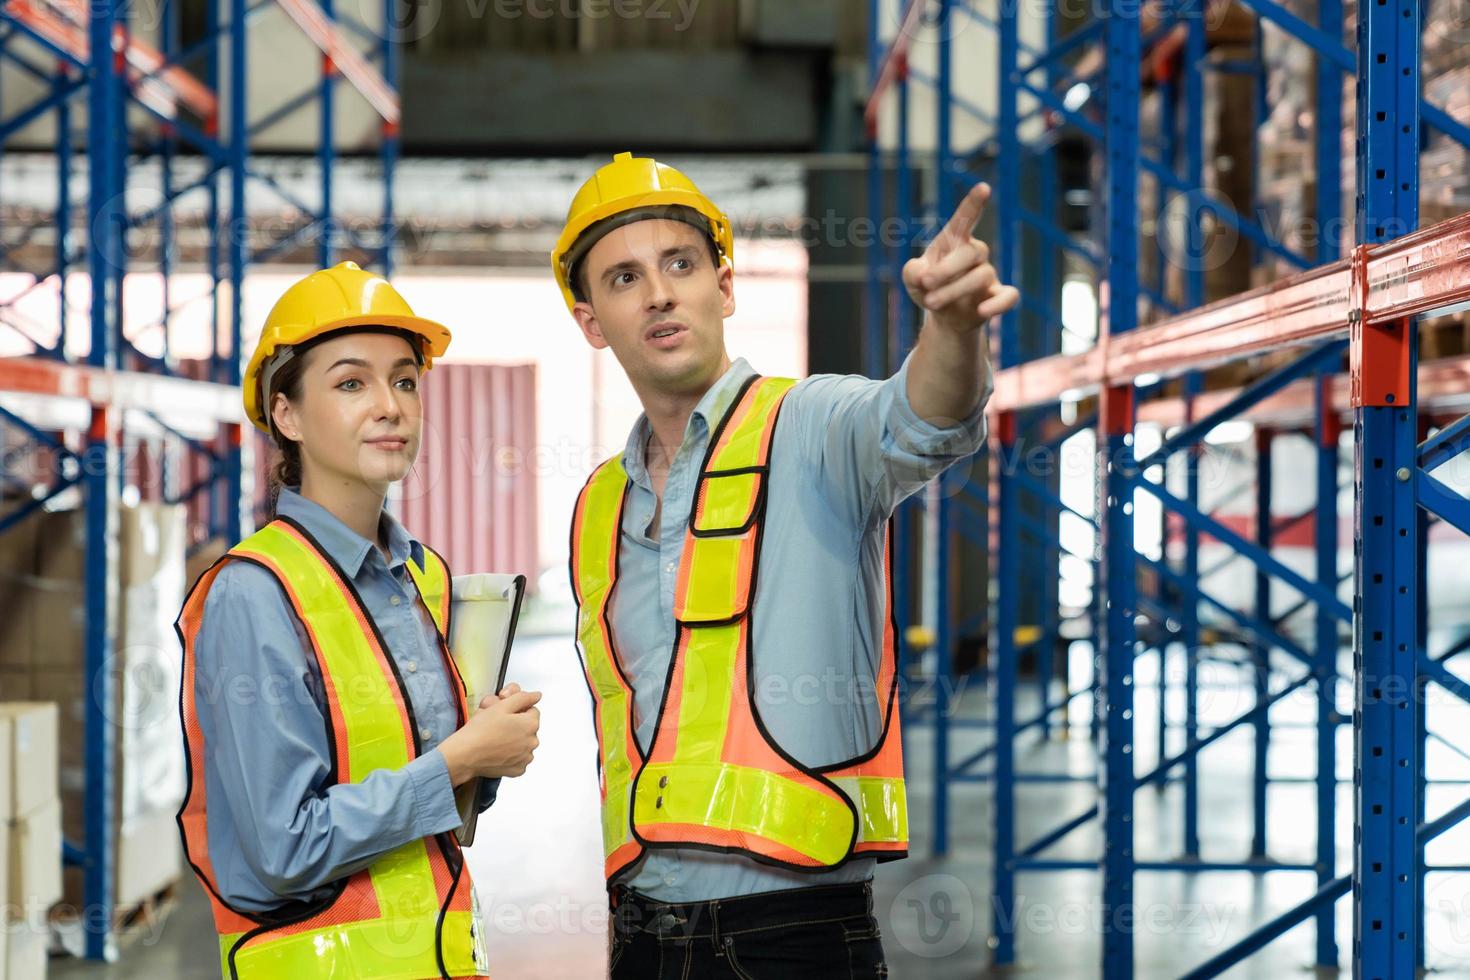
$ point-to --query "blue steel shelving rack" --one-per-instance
(197, 96)
(1360, 305)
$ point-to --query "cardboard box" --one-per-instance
(7, 778)
(17, 577)
(33, 755)
(35, 860)
(29, 941)
(148, 769)
(11, 908)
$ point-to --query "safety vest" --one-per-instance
(410, 914)
(713, 776)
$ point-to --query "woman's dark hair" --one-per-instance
(285, 470)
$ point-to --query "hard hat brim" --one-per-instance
(435, 335)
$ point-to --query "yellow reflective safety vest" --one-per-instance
(713, 777)
(410, 914)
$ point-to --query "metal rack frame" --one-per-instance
(196, 98)
(1363, 306)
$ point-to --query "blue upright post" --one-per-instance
(63, 207)
(1385, 865)
(214, 233)
(1006, 512)
(1262, 725)
(1007, 571)
(235, 509)
(392, 34)
(1164, 599)
(874, 307)
(943, 634)
(105, 259)
(1046, 275)
(1329, 430)
(1329, 248)
(1189, 634)
(325, 243)
(1421, 719)
(1121, 32)
(1194, 296)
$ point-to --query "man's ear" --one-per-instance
(726, 278)
(590, 326)
(283, 415)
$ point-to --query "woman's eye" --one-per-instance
(351, 384)
(408, 384)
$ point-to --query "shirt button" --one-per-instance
(425, 734)
(669, 879)
(670, 567)
(395, 601)
(413, 666)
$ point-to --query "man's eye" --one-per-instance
(683, 264)
(623, 279)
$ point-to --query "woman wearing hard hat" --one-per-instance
(326, 722)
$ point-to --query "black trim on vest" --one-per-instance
(749, 615)
(291, 910)
(413, 725)
(453, 855)
(892, 706)
(617, 558)
(757, 508)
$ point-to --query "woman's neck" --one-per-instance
(355, 504)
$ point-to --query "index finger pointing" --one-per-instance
(962, 223)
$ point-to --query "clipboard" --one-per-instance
(483, 612)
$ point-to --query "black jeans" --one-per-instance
(823, 933)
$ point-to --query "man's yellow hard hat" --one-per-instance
(332, 299)
(633, 188)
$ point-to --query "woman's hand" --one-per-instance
(498, 740)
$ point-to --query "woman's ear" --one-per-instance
(283, 416)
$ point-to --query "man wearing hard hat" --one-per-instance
(734, 594)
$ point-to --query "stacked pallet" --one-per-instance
(30, 836)
(1287, 183)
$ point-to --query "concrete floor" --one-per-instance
(536, 862)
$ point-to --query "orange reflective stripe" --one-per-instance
(713, 776)
(596, 527)
(408, 913)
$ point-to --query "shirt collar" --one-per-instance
(342, 544)
(711, 408)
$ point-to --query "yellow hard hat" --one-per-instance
(331, 299)
(638, 187)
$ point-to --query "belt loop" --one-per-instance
(714, 928)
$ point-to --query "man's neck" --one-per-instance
(668, 417)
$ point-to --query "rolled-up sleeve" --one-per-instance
(277, 830)
(870, 449)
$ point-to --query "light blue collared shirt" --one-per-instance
(277, 831)
(847, 451)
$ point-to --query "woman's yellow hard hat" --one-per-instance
(332, 299)
(637, 187)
